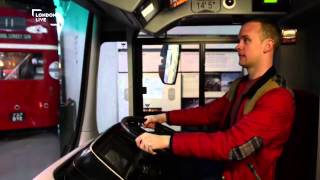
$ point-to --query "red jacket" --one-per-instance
(270, 120)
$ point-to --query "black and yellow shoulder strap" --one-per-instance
(270, 80)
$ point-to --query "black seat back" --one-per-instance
(299, 157)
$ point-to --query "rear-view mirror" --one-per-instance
(168, 69)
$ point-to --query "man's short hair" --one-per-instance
(269, 30)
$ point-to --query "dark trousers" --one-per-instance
(199, 169)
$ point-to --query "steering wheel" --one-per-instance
(133, 126)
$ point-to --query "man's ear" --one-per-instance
(268, 46)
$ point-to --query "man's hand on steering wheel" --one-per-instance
(149, 142)
(152, 120)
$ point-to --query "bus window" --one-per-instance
(189, 62)
(221, 68)
(19, 65)
(160, 97)
(112, 85)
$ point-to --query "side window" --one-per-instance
(20, 66)
(112, 92)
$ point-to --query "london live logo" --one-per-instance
(42, 16)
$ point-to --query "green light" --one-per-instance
(270, 1)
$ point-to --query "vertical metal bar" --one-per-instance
(201, 74)
(134, 73)
(318, 148)
(137, 80)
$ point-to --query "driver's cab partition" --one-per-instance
(299, 157)
(203, 72)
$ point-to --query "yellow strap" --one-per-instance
(232, 90)
(269, 85)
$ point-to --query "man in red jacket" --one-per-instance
(254, 117)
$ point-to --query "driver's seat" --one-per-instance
(299, 157)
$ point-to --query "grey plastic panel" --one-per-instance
(164, 18)
(127, 5)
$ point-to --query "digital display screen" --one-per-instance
(270, 5)
(148, 11)
(270, 1)
(117, 160)
(118, 152)
(176, 3)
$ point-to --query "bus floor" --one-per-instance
(23, 157)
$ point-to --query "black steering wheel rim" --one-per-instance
(132, 125)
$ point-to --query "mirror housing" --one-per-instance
(170, 57)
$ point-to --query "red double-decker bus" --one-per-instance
(29, 70)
